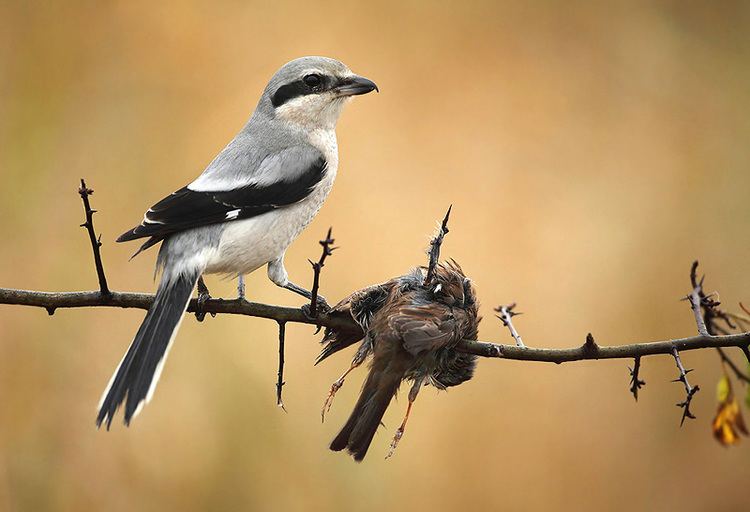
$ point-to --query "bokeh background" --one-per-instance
(591, 152)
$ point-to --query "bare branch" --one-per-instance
(506, 315)
(695, 300)
(690, 391)
(746, 351)
(280, 375)
(737, 372)
(635, 382)
(96, 243)
(435, 244)
(57, 300)
(317, 266)
(630, 351)
(706, 310)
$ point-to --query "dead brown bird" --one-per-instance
(411, 328)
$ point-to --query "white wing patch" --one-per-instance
(233, 214)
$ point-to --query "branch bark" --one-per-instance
(52, 301)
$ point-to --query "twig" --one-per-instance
(635, 382)
(280, 376)
(690, 391)
(435, 244)
(737, 372)
(317, 266)
(706, 310)
(746, 351)
(96, 243)
(506, 315)
(694, 298)
(630, 351)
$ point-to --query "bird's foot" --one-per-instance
(329, 400)
(203, 297)
(321, 307)
(396, 438)
(241, 287)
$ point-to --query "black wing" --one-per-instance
(186, 209)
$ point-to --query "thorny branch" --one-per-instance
(96, 243)
(506, 315)
(280, 375)
(714, 325)
(690, 391)
(708, 316)
(317, 266)
(435, 244)
(635, 382)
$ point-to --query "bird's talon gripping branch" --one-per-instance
(241, 287)
(203, 297)
(321, 308)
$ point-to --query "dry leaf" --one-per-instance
(728, 423)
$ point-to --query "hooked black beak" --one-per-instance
(356, 85)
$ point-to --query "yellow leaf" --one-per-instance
(723, 388)
(728, 423)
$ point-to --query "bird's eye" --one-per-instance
(312, 80)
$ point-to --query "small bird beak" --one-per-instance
(356, 85)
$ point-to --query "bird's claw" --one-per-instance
(241, 288)
(329, 400)
(396, 438)
(203, 297)
(321, 307)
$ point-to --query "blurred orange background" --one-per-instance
(591, 152)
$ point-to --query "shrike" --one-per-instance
(241, 213)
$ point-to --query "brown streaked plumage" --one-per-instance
(410, 328)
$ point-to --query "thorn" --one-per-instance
(50, 310)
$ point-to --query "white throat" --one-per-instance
(313, 112)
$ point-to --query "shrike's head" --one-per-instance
(311, 91)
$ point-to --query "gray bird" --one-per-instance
(241, 213)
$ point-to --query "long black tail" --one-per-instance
(357, 433)
(139, 370)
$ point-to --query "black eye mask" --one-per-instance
(309, 84)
